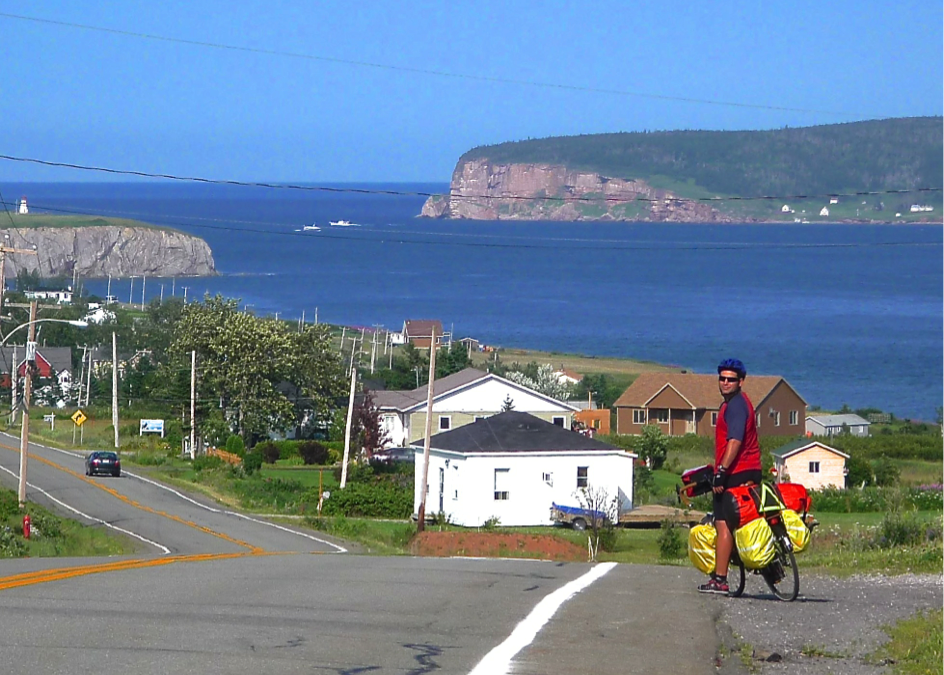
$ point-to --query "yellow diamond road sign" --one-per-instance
(79, 417)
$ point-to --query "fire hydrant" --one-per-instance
(26, 526)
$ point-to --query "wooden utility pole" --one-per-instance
(27, 392)
(88, 382)
(193, 404)
(421, 515)
(347, 429)
(373, 350)
(114, 385)
(143, 286)
(13, 371)
(3, 260)
(343, 331)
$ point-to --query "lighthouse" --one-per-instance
(23, 209)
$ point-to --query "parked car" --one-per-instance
(103, 462)
(395, 455)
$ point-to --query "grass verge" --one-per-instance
(916, 646)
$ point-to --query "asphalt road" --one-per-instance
(212, 591)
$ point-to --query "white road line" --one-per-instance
(181, 495)
(498, 661)
(164, 549)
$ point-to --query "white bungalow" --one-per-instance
(513, 466)
(824, 211)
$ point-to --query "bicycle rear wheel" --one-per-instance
(784, 583)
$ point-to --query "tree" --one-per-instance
(542, 380)
(508, 404)
(886, 472)
(366, 425)
(858, 472)
(653, 446)
(602, 512)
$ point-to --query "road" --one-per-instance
(213, 591)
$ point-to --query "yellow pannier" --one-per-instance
(701, 547)
(797, 530)
(755, 544)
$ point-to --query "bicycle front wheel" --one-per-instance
(785, 585)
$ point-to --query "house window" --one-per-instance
(814, 467)
(595, 424)
(777, 419)
(582, 480)
(714, 419)
(558, 421)
(445, 423)
(501, 484)
(662, 416)
(548, 478)
(639, 417)
(794, 418)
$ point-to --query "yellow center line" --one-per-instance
(131, 502)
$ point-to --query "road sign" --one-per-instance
(79, 418)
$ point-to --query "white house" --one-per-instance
(460, 399)
(99, 315)
(565, 376)
(513, 466)
(831, 425)
(61, 297)
(824, 211)
(834, 200)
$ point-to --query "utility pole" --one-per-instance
(185, 295)
(82, 374)
(193, 404)
(13, 372)
(114, 385)
(353, 351)
(131, 292)
(373, 350)
(343, 331)
(390, 356)
(421, 516)
(347, 429)
(316, 316)
(143, 286)
(3, 259)
(88, 383)
(108, 292)
(162, 294)
(27, 391)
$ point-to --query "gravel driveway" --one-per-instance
(839, 620)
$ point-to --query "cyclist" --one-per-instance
(737, 461)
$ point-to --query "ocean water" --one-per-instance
(847, 314)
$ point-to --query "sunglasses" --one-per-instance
(722, 378)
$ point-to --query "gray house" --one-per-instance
(832, 425)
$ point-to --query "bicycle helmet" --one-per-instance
(735, 365)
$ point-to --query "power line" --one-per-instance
(427, 71)
(409, 193)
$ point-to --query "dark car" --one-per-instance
(103, 462)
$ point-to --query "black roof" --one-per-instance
(514, 432)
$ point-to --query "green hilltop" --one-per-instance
(875, 155)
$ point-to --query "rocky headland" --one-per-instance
(103, 250)
(485, 190)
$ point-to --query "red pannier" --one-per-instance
(697, 481)
(742, 501)
(795, 497)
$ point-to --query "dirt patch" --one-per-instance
(496, 545)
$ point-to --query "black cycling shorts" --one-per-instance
(727, 508)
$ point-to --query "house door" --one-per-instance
(442, 489)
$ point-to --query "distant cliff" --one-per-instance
(99, 251)
(483, 190)
(708, 176)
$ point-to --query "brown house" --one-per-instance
(420, 332)
(686, 403)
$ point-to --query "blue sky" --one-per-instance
(101, 98)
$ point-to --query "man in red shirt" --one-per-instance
(737, 461)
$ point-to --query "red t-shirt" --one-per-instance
(736, 420)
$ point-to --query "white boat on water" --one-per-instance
(341, 223)
(311, 227)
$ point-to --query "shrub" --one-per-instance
(204, 462)
(859, 472)
(370, 499)
(886, 472)
(235, 445)
(653, 445)
(671, 546)
(877, 499)
(252, 462)
(356, 473)
(901, 529)
(606, 538)
(313, 452)
(269, 451)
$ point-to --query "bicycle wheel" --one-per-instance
(736, 577)
(785, 584)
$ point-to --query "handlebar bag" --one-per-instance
(755, 544)
(701, 547)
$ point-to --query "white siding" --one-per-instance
(488, 397)
(468, 497)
